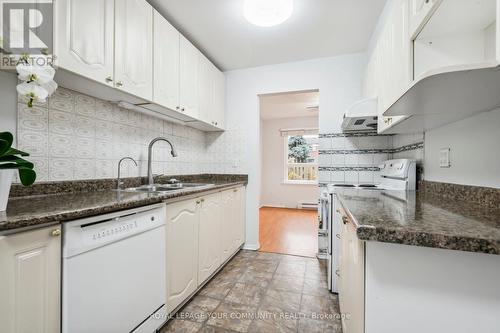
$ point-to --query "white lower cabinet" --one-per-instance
(352, 279)
(202, 234)
(182, 251)
(209, 225)
(30, 273)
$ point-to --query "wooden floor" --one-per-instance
(289, 231)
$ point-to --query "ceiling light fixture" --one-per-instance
(268, 13)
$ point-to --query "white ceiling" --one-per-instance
(317, 28)
(289, 105)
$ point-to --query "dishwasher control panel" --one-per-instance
(86, 234)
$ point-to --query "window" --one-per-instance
(301, 159)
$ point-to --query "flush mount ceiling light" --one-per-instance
(268, 13)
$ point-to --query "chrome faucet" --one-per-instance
(150, 152)
(119, 182)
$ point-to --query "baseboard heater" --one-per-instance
(308, 205)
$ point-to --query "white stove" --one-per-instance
(396, 175)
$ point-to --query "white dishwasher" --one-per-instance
(114, 272)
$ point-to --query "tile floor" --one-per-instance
(262, 292)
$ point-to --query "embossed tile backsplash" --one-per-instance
(353, 158)
(75, 136)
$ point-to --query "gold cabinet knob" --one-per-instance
(119, 83)
(345, 220)
(56, 232)
(109, 79)
(198, 202)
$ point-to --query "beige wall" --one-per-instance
(8, 98)
(273, 190)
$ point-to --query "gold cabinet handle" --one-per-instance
(235, 190)
(337, 235)
(109, 79)
(119, 83)
(56, 232)
(345, 220)
(198, 202)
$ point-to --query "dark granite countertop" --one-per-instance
(422, 219)
(41, 210)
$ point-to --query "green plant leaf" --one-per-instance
(17, 160)
(9, 159)
(14, 151)
(4, 146)
(9, 166)
(27, 176)
(7, 136)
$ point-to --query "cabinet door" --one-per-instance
(226, 226)
(30, 265)
(239, 218)
(219, 91)
(166, 63)
(205, 89)
(182, 251)
(134, 48)
(352, 277)
(189, 56)
(420, 11)
(209, 235)
(394, 61)
(84, 38)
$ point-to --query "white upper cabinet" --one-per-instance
(211, 93)
(455, 61)
(459, 33)
(188, 82)
(420, 11)
(205, 89)
(166, 63)
(219, 91)
(129, 46)
(134, 47)
(389, 67)
(84, 38)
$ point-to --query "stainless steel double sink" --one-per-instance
(163, 188)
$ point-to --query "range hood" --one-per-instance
(361, 116)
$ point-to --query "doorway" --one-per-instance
(288, 222)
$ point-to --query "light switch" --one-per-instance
(444, 158)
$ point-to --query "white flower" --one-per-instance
(32, 92)
(33, 73)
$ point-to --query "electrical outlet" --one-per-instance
(444, 158)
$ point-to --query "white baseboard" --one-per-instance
(275, 206)
(251, 247)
